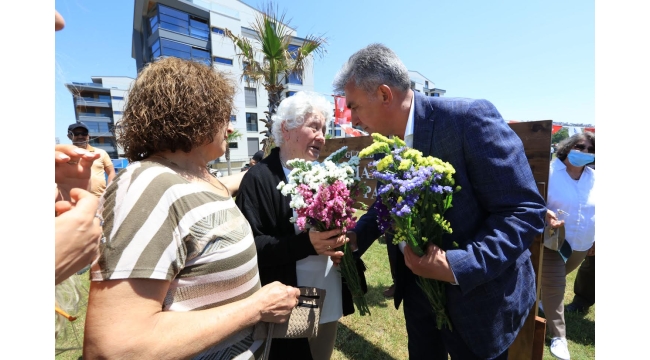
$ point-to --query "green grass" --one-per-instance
(382, 335)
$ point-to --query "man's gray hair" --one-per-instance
(293, 109)
(371, 67)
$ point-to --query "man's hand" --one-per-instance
(77, 233)
(72, 169)
(432, 265)
(352, 237)
(551, 219)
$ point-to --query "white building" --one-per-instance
(194, 29)
(422, 84)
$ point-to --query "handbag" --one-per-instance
(303, 320)
(302, 323)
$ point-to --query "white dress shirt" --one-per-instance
(577, 198)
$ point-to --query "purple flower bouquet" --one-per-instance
(413, 192)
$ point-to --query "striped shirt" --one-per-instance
(158, 225)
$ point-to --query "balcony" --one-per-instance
(83, 117)
(88, 101)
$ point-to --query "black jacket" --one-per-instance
(278, 247)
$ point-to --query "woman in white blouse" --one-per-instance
(571, 190)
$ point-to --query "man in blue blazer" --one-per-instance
(495, 216)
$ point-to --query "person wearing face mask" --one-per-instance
(284, 253)
(570, 189)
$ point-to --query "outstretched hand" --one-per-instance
(72, 169)
(77, 233)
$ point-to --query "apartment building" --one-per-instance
(99, 105)
(195, 29)
(422, 84)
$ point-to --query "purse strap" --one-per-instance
(267, 344)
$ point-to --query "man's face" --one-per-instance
(365, 109)
(79, 137)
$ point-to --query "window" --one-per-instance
(233, 145)
(118, 112)
(436, 94)
(118, 98)
(250, 97)
(104, 98)
(219, 31)
(337, 132)
(233, 118)
(183, 51)
(293, 50)
(251, 122)
(291, 93)
(221, 60)
(180, 22)
(294, 78)
(253, 146)
(426, 84)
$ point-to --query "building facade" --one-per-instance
(99, 105)
(194, 29)
(421, 84)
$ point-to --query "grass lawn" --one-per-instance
(382, 335)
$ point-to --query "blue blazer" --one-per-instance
(494, 218)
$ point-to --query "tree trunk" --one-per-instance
(275, 97)
(228, 159)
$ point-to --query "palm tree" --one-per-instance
(272, 60)
(232, 137)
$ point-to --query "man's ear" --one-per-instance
(69, 136)
(385, 93)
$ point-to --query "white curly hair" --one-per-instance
(293, 109)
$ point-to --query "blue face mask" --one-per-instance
(579, 159)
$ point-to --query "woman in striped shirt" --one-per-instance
(177, 274)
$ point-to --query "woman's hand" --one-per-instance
(72, 167)
(277, 300)
(77, 234)
(551, 219)
(326, 243)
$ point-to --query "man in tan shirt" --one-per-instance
(78, 133)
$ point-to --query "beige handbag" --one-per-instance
(302, 323)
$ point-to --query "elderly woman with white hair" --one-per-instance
(284, 253)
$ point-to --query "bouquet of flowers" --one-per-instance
(323, 196)
(413, 194)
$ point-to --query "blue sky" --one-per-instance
(534, 60)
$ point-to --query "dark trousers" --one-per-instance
(425, 341)
(585, 283)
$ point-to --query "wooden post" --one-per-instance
(536, 137)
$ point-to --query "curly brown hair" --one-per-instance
(174, 104)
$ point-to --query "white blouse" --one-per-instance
(577, 198)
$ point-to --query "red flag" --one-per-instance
(591, 129)
(342, 114)
(556, 128)
(352, 131)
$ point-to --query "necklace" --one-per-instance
(188, 175)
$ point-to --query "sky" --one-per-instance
(533, 60)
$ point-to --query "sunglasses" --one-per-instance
(583, 147)
(80, 134)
